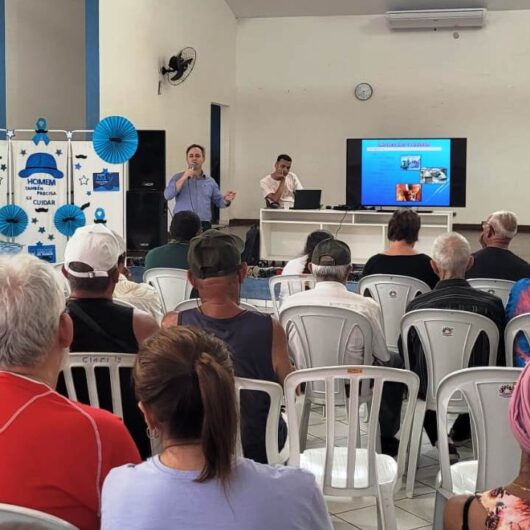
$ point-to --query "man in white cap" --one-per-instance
(101, 325)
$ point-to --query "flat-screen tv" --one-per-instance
(414, 172)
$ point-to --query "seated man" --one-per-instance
(257, 342)
(451, 258)
(494, 260)
(101, 325)
(331, 266)
(279, 187)
(55, 452)
(184, 226)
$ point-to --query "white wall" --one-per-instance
(136, 37)
(45, 63)
(295, 79)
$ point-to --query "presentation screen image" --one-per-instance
(406, 172)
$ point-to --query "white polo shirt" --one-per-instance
(335, 294)
(292, 183)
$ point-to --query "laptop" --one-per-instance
(307, 200)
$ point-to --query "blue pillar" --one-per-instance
(91, 62)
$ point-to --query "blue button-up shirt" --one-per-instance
(196, 195)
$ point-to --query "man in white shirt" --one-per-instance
(331, 266)
(279, 187)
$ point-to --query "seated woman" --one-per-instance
(300, 265)
(183, 379)
(506, 507)
(400, 257)
(519, 304)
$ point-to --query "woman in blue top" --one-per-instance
(518, 304)
(183, 379)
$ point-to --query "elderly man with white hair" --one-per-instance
(451, 258)
(55, 452)
(494, 260)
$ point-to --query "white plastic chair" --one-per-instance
(486, 392)
(172, 285)
(275, 393)
(352, 471)
(392, 293)
(89, 362)
(517, 324)
(194, 303)
(322, 333)
(12, 516)
(500, 288)
(281, 287)
(447, 338)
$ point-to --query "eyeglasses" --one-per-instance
(485, 224)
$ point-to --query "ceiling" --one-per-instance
(298, 8)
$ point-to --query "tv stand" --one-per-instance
(283, 232)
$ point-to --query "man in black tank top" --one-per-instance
(257, 342)
(100, 325)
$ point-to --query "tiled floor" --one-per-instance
(360, 513)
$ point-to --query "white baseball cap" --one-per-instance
(94, 245)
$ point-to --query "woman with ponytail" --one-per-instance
(185, 386)
(506, 507)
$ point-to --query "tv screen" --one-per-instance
(415, 172)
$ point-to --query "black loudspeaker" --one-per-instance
(146, 220)
(147, 168)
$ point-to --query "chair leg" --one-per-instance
(386, 511)
(439, 505)
(304, 423)
(415, 446)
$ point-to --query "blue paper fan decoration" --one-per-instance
(68, 219)
(115, 139)
(13, 220)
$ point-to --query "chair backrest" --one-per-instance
(275, 393)
(487, 394)
(89, 362)
(281, 287)
(447, 338)
(392, 293)
(500, 288)
(518, 324)
(194, 303)
(12, 516)
(356, 376)
(172, 285)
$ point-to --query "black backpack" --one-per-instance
(251, 252)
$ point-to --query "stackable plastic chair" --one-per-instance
(353, 471)
(518, 324)
(12, 516)
(172, 285)
(447, 338)
(486, 392)
(275, 393)
(194, 303)
(322, 334)
(392, 293)
(500, 288)
(281, 287)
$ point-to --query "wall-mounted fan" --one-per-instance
(180, 66)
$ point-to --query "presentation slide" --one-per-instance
(406, 172)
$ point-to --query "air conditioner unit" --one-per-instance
(437, 18)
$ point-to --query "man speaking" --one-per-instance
(194, 191)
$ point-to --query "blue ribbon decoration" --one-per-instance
(41, 130)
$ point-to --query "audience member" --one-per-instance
(401, 258)
(257, 343)
(300, 265)
(184, 382)
(55, 452)
(495, 260)
(280, 186)
(184, 226)
(451, 259)
(101, 325)
(505, 507)
(519, 304)
(331, 265)
(140, 295)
